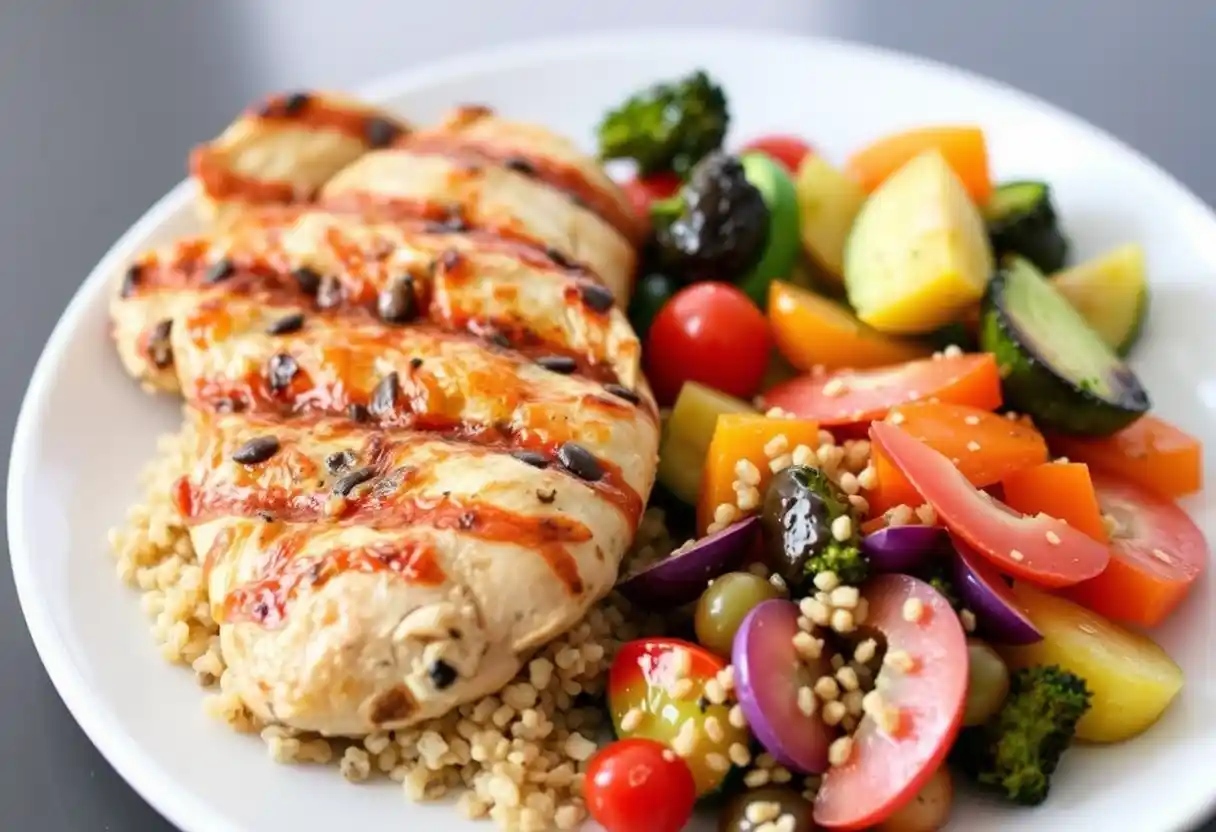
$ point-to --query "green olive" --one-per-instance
(987, 683)
(734, 817)
(725, 604)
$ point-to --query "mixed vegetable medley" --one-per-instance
(930, 514)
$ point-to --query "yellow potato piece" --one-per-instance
(1132, 679)
(918, 253)
(828, 202)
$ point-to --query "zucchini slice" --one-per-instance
(1111, 292)
(686, 437)
(1053, 366)
(1022, 220)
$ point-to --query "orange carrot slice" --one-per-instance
(811, 330)
(744, 436)
(963, 147)
(1150, 452)
(985, 447)
(1062, 490)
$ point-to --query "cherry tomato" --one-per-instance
(644, 190)
(788, 150)
(711, 333)
(923, 701)
(639, 785)
(855, 397)
(1156, 555)
(1041, 549)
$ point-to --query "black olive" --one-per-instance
(442, 674)
(220, 271)
(131, 280)
(797, 522)
(256, 450)
(563, 364)
(160, 348)
(380, 132)
(398, 304)
(596, 297)
(579, 461)
(353, 480)
(339, 461)
(329, 292)
(520, 165)
(281, 369)
(623, 392)
(296, 102)
(307, 279)
(536, 460)
(733, 818)
(717, 226)
(357, 412)
(384, 397)
(287, 324)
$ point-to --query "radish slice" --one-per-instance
(768, 675)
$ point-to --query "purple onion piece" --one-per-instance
(999, 617)
(682, 577)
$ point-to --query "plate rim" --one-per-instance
(167, 796)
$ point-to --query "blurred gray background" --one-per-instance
(99, 100)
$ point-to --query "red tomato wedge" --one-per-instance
(984, 446)
(1040, 549)
(644, 190)
(1150, 452)
(1156, 550)
(1061, 489)
(890, 763)
(852, 397)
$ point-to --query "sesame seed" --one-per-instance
(726, 677)
(849, 484)
(888, 719)
(682, 689)
(914, 610)
(756, 778)
(896, 418)
(926, 514)
(669, 755)
(833, 712)
(1016, 555)
(776, 446)
(872, 703)
(716, 762)
(1053, 538)
(762, 811)
(845, 597)
(714, 692)
(972, 420)
(726, 514)
(736, 718)
(713, 729)
(806, 701)
(860, 503)
(865, 651)
(973, 446)
(847, 677)
(681, 662)
(827, 689)
(748, 499)
(852, 702)
(1011, 416)
(778, 582)
(1061, 460)
(967, 617)
(816, 610)
(802, 455)
(835, 388)
(739, 755)
(781, 775)
(868, 478)
(840, 751)
(843, 621)
(826, 581)
(632, 720)
(747, 471)
(780, 463)
(842, 528)
(807, 646)
(804, 624)
(837, 662)
(1162, 556)
(952, 351)
(862, 612)
(825, 438)
(899, 516)
(685, 741)
(898, 660)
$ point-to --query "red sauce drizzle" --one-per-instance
(285, 573)
(560, 175)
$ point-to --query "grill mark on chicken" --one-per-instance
(558, 175)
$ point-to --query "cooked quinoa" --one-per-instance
(516, 757)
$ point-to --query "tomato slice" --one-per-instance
(1157, 553)
(853, 397)
(886, 770)
(1040, 549)
(984, 446)
(1150, 452)
(788, 150)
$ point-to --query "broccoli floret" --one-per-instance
(668, 127)
(1017, 751)
(845, 559)
(716, 226)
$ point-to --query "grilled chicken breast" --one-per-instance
(419, 444)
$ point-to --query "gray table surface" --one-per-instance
(99, 100)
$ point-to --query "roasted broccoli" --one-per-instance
(800, 507)
(1017, 751)
(668, 127)
(716, 226)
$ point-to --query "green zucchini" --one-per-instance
(686, 437)
(1111, 292)
(1053, 366)
(1022, 220)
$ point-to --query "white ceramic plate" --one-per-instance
(85, 429)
